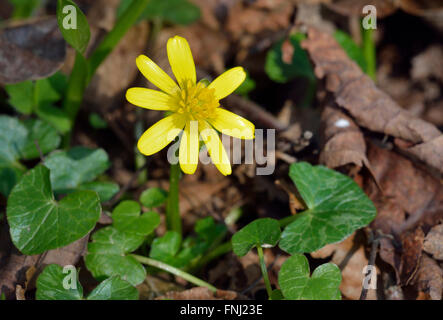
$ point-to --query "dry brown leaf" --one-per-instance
(344, 142)
(407, 190)
(30, 51)
(199, 293)
(430, 278)
(434, 242)
(369, 106)
(428, 63)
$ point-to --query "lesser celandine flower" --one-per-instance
(194, 108)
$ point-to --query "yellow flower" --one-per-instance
(194, 108)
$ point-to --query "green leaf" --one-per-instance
(97, 122)
(50, 285)
(17, 141)
(352, 49)
(13, 137)
(114, 288)
(336, 208)
(73, 25)
(300, 66)
(173, 11)
(46, 136)
(153, 197)
(57, 117)
(296, 284)
(9, 176)
(263, 232)
(70, 169)
(21, 96)
(105, 190)
(127, 218)
(107, 255)
(39, 223)
(165, 248)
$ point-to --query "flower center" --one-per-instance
(197, 101)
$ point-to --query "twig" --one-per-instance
(375, 238)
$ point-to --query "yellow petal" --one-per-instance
(181, 61)
(189, 148)
(156, 75)
(215, 148)
(227, 82)
(150, 99)
(232, 125)
(161, 134)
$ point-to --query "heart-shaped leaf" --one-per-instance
(52, 281)
(153, 197)
(127, 218)
(296, 284)
(263, 232)
(107, 255)
(336, 208)
(114, 288)
(73, 25)
(165, 248)
(18, 141)
(70, 169)
(39, 223)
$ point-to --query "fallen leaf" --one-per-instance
(31, 51)
(369, 106)
(349, 255)
(430, 278)
(434, 242)
(412, 246)
(344, 143)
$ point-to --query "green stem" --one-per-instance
(173, 219)
(75, 91)
(123, 24)
(179, 273)
(369, 52)
(264, 270)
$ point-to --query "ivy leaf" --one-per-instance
(153, 197)
(296, 284)
(352, 49)
(50, 285)
(108, 255)
(264, 232)
(336, 208)
(44, 134)
(300, 66)
(38, 223)
(70, 169)
(105, 190)
(73, 25)
(114, 288)
(13, 137)
(127, 218)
